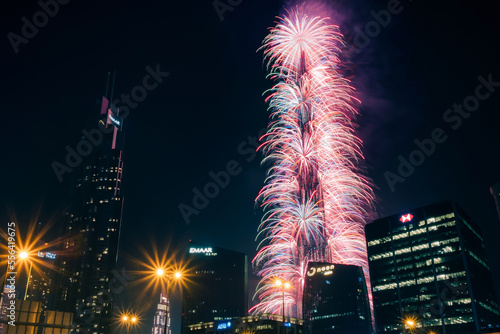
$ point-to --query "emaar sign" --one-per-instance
(194, 250)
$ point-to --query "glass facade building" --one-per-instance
(219, 289)
(92, 227)
(429, 265)
(335, 299)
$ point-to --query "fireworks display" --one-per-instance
(315, 196)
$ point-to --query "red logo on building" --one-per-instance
(406, 218)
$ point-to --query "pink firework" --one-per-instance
(315, 195)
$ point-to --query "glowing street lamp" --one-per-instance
(128, 320)
(411, 323)
(283, 285)
(25, 256)
(161, 269)
(164, 276)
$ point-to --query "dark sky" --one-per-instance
(427, 58)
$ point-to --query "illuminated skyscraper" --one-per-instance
(219, 290)
(162, 316)
(429, 265)
(93, 224)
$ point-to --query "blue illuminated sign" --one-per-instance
(47, 255)
(224, 325)
(287, 324)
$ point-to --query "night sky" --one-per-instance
(207, 111)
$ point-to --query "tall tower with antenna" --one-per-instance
(93, 223)
(316, 198)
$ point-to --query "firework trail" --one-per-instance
(315, 195)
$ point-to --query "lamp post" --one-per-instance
(283, 285)
(163, 275)
(411, 323)
(24, 255)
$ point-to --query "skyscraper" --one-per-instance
(335, 299)
(316, 197)
(219, 290)
(162, 316)
(93, 224)
(429, 270)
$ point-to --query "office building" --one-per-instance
(90, 253)
(219, 289)
(255, 324)
(335, 299)
(162, 316)
(429, 271)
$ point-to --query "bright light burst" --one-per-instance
(161, 270)
(315, 197)
(29, 244)
(128, 319)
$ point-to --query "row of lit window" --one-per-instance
(416, 248)
(336, 315)
(444, 242)
(419, 281)
(414, 232)
(461, 301)
(104, 188)
(458, 320)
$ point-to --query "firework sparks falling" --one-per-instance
(315, 195)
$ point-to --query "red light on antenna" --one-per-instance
(406, 218)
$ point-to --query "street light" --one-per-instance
(128, 320)
(284, 285)
(23, 256)
(160, 269)
(164, 276)
(411, 323)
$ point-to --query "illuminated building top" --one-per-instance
(221, 288)
(435, 255)
(207, 251)
(325, 285)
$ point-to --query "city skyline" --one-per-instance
(193, 122)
